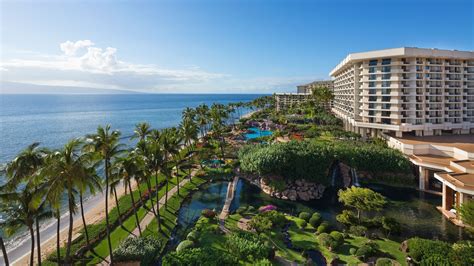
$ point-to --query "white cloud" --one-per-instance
(70, 48)
(82, 64)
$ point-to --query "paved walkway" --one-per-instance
(230, 196)
(149, 217)
(228, 200)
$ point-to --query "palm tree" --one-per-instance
(5, 231)
(106, 144)
(170, 141)
(25, 205)
(24, 169)
(218, 115)
(202, 118)
(151, 151)
(142, 130)
(189, 132)
(130, 167)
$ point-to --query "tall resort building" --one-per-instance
(406, 91)
(422, 102)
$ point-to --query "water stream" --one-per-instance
(415, 210)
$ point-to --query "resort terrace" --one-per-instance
(445, 167)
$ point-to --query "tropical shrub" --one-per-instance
(241, 209)
(462, 253)
(347, 217)
(420, 249)
(302, 224)
(466, 210)
(325, 240)
(358, 230)
(352, 251)
(390, 225)
(263, 262)
(185, 244)
(384, 262)
(338, 238)
(435, 259)
(246, 245)
(323, 227)
(143, 249)
(193, 236)
(199, 257)
(278, 219)
(311, 160)
(267, 208)
(260, 223)
(315, 219)
(366, 250)
(305, 216)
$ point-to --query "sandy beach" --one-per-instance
(95, 212)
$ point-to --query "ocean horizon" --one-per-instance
(53, 119)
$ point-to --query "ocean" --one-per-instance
(52, 120)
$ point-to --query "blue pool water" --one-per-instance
(257, 133)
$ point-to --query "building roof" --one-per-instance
(316, 83)
(462, 142)
(402, 52)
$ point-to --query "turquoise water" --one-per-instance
(257, 133)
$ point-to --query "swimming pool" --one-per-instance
(255, 132)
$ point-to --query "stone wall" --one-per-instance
(297, 190)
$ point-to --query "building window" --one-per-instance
(372, 98)
(385, 98)
(386, 69)
(371, 84)
(372, 77)
(385, 83)
(386, 61)
(371, 105)
(386, 76)
(385, 106)
(372, 62)
(371, 69)
(372, 91)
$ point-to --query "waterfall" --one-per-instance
(355, 178)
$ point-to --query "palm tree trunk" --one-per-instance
(140, 198)
(107, 209)
(134, 207)
(4, 252)
(118, 207)
(177, 179)
(166, 191)
(38, 242)
(58, 227)
(84, 220)
(156, 213)
(32, 253)
(69, 235)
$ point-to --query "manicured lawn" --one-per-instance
(119, 234)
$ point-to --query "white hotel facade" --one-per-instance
(406, 91)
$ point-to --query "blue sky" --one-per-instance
(212, 46)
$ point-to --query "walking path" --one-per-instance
(225, 210)
(149, 217)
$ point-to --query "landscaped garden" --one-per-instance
(309, 192)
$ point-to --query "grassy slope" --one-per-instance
(119, 234)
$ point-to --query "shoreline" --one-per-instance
(94, 212)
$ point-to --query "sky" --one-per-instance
(210, 46)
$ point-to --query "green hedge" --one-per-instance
(142, 249)
(311, 160)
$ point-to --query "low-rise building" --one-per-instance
(306, 88)
(445, 167)
(303, 94)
